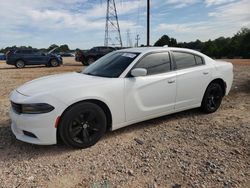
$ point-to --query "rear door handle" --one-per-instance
(171, 81)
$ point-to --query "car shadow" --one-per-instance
(14, 68)
(72, 65)
(10, 147)
(39, 66)
(156, 121)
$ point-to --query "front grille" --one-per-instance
(16, 107)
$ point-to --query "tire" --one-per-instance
(85, 63)
(90, 60)
(212, 98)
(20, 64)
(82, 125)
(54, 63)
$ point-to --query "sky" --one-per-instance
(81, 23)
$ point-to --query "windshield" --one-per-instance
(111, 65)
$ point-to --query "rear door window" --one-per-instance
(184, 60)
(199, 60)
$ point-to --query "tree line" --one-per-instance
(61, 48)
(230, 47)
(237, 46)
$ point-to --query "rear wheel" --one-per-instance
(212, 98)
(20, 64)
(54, 63)
(83, 125)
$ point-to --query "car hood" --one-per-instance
(48, 84)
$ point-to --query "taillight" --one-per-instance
(8, 54)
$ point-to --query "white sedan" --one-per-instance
(121, 88)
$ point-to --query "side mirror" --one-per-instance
(139, 72)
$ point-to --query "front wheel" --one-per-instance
(54, 63)
(83, 125)
(85, 63)
(212, 98)
(90, 60)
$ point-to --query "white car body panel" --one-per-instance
(149, 95)
(191, 84)
(129, 100)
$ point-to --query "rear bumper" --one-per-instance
(9, 62)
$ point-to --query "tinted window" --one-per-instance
(111, 65)
(24, 51)
(155, 63)
(103, 49)
(111, 49)
(94, 50)
(199, 60)
(184, 60)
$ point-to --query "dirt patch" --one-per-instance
(239, 61)
(187, 149)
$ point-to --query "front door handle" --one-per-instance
(205, 73)
(171, 81)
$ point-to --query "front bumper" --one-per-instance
(40, 127)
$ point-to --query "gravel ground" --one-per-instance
(187, 149)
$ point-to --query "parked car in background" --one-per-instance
(87, 57)
(22, 57)
(2, 56)
(121, 88)
(66, 54)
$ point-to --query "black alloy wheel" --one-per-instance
(83, 125)
(212, 98)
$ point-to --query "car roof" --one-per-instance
(154, 49)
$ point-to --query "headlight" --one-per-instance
(38, 108)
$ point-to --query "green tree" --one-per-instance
(164, 40)
(63, 48)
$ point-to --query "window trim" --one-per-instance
(128, 75)
(196, 65)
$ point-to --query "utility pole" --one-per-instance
(137, 40)
(148, 22)
(112, 28)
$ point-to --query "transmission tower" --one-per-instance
(112, 28)
(129, 41)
